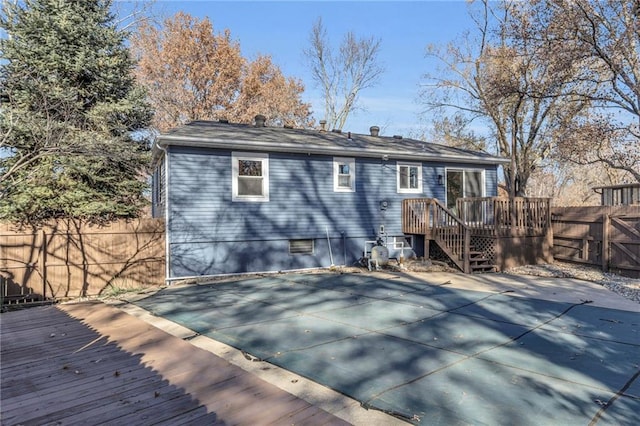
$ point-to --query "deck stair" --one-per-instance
(480, 262)
(432, 219)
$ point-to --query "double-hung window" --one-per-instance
(409, 178)
(250, 173)
(344, 174)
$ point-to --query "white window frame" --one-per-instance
(249, 156)
(417, 190)
(351, 163)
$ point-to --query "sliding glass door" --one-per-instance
(463, 183)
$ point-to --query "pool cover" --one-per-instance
(427, 352)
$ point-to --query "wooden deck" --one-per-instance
(483, 234)
(90, 363)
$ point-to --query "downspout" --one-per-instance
(167, 252)
(329, 243)
(344, 247)
(167, 255)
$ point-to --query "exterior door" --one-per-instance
(463, 183)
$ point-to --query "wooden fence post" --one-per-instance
(512, 216)
(42, 263)
(585, 249)
(606, 225)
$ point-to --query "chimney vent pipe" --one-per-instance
(322, 124)
(374, 130)
(260, 119)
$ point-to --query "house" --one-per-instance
(623, 194)
(249, 198)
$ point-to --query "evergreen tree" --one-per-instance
(70, 114)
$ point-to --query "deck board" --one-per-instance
(90, 363)
(144, 404)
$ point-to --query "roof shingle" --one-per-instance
(279, 139)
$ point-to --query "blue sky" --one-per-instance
(281, 29)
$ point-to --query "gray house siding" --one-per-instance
(158, 194)
(209, 234)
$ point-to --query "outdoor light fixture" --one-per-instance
(439, 179)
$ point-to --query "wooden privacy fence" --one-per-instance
(606, 236)
(67, 258)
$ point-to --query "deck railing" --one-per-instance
(416, 216)
(483, 216)
(493, 216)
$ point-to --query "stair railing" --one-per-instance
(428, 216)
(452, 233)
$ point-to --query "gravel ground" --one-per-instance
(624, 286)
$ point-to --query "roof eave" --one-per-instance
(239, 144)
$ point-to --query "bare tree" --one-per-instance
(343, 74)
(454, 131)
(571, 184)
(602, 36)
(502, 77)
(132, 14)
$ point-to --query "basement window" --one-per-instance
(404, 241)
(300, 246)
